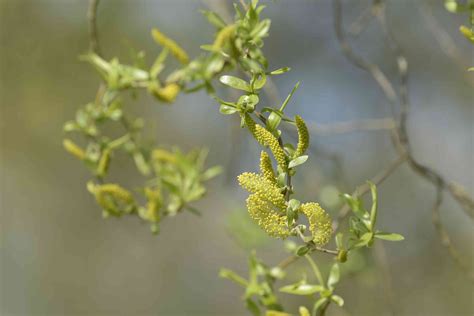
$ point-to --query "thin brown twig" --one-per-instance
(365, 188)
(93, 33)
(400, 137)
(352, 126)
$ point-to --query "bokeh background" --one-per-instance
(59, 257)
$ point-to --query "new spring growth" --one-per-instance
(319, 222)
(223, 36)
(266, 167)
(303, 136)
(74, 149)
(265, 138)
(170, 44)
(110, 196)
(265, 204)
(167, 93)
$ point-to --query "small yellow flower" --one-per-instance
(266, 204)
(303, 136)
(103, 162)
(221, 38)
(265, 138)
(319, 222)
(266, 167)
(73, 149)
(153, 206)
(173, 47)
(167, 93)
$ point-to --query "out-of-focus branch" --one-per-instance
(400, 137)
(444, 40)
(93, 34)
(352, 126)
(364, 188)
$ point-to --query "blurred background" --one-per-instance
(59, 257)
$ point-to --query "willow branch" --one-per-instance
(400, 137)
(352, 126)
(93, 34)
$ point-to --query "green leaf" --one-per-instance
(259, 81)
(298, 161)
(280, 71)
(373, 210)
(339, 241)
(334, 275)
(288, 98)
(301, 288)
(227, 109)
(231, 275)
(235, 83)
(319, 303)
(252, 307)
(364, 240)
(211, 173)
(337, 299)
(248, 102)
(302, 250)
(355, 203)
(214, 19)
(273, 120)
(389, 236)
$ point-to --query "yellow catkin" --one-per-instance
(276, 313)
(103, 163)
(266, 167)
(173, 47)
(223, 36)
(303, 136)
(266, 216)
(267, 139)
(73, 149)
(319, 222)
(153, 206)
(114, 190)
(265, 204)
(258, 185)
(163, 155)
(167, 93)
(250, 123)
(304, 311)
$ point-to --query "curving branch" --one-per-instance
(400, 136)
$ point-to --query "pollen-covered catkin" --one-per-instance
(258, 185)
(222, 37)
(267, 139)
(319, 222)
(303, 136)
(266, 167)
(153, 206)
(115, 191)
(173, 47)
(73, 149)
(266, 204)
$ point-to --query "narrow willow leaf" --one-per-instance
(337, 299)
(211, 173)
(364, 240)
(319, 303)
(231, 275)
(280, 71)
(214, 19)
(389, 236)
(302, 251)
(288, 98)
(334, 276)
(227, 109)
(235, 83)
(298, 161)
(301, 289)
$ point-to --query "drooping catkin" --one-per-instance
(303, 136)
(266, 204)
(223, 36)
(173, 47)
(267, 139)
(266, 167)
(74, 149)
(319, 222)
